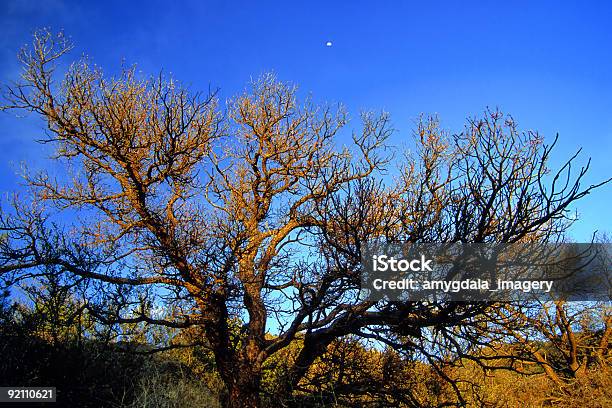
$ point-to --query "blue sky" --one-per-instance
(549, 64)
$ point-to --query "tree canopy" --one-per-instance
(250, 218)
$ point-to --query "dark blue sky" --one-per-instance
(549, 65)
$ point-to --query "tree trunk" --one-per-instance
(243, 389)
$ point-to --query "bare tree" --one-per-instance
(255, 218)
(565, 339)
